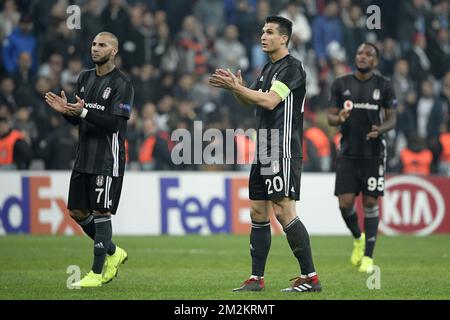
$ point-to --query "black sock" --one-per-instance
(103, 234)
(88, 226)
(351, 220)
(371, 219)
(260, 240)
(298, 239)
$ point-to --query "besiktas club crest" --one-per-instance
(99, 181)
(106, 93)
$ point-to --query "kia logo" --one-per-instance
(411, 205)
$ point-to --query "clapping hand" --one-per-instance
(74, 109)
(56, 102)
(225, 79)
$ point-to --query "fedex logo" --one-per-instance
(189, 214)
(34, 211)
(221, 207)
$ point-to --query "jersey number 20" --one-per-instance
(277, 184)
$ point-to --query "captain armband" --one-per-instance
(281, 89)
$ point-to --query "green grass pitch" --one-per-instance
(208, 267)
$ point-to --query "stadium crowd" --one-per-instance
(170, 47)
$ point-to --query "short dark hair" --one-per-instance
(284, 25)
(377, 52)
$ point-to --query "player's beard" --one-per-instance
(364, 70)
(101, 62)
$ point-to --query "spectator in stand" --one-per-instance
(9, 19)
(58, 148)
(26, 124)
(444, 158)
(439, 53)
(166, 85)
(23, 78)
(316, 149)
(154, 153)
(7, 96)
(64, 42)
(166, 110)
(115, 19)
(141, 40)
(440, 16)
(354, 31)
(176, 11)
(401, 80)
(133, 137)
(230, 52)
(53, 67)
(429, 120)
(20, 40)
(165, 55)
(411, 20)
(210, 13)
(407, 118)
(335, 67)
(145, 84)
(70, 75)
(445, 96)
(245, 17)
(192, 42)
(419, 59)
(184, 86)
(208, 98)
(92, 25)
(300, 25)
(258, 58)
(326, 28)
(40, 111)
(232, 8)
(429, 113)
(15, 151)
(389, 54)
(416, 158)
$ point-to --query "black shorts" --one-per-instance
(276, 180)
(360, 175)
(94, 192)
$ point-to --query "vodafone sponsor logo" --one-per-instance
(411, 205)
(95, 106)
(367, 106)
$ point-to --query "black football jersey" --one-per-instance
(280, 131)
(369, 99)
(100, 152)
